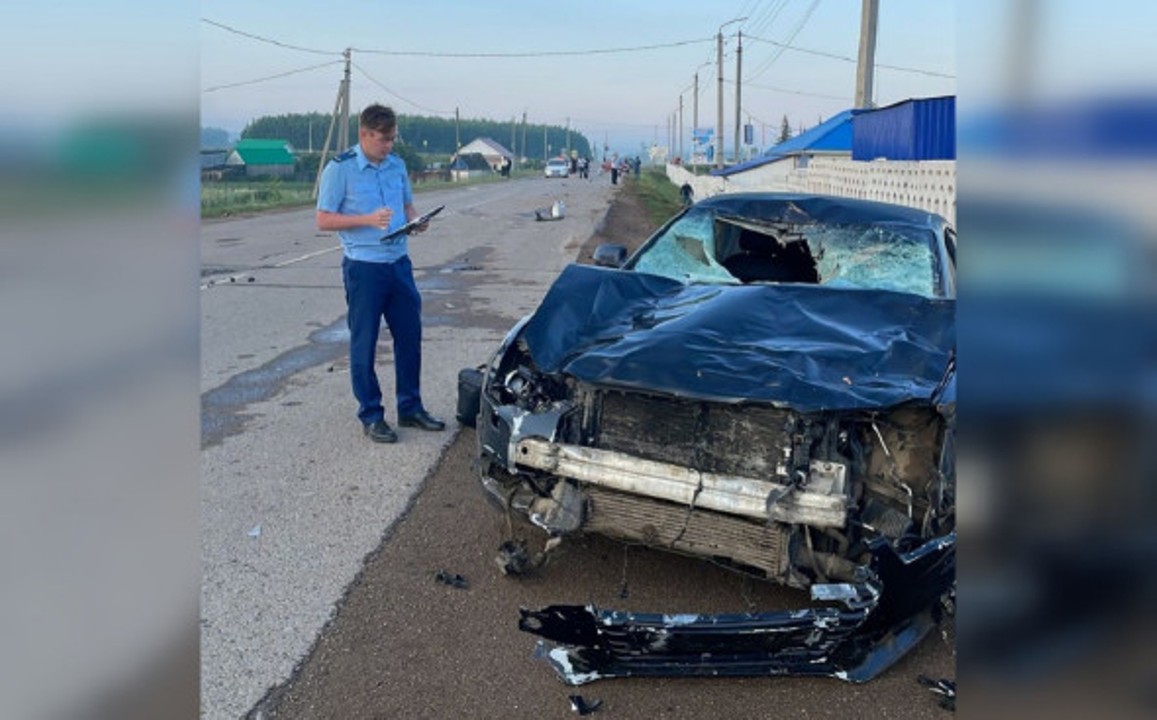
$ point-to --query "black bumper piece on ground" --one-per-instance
(880, 620)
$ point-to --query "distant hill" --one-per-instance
(215, 138)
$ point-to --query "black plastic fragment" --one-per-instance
(850, 636)
(452, 580)
(582, 706)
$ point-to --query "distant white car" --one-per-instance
(557, 167)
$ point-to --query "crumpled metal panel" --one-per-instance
(804, 346)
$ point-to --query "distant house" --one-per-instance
(263, 157)
(831, 138)
(213, 165)
(913, 129)
(463, 167)
(492, 150)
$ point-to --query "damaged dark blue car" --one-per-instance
(768, 382)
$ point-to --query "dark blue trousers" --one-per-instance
(374, 291)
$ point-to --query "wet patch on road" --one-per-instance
(222, 409)
(446, 293)
(447, 302)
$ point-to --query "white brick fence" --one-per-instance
(928, 185)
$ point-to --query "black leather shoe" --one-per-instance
(422, 419)
(381, 432)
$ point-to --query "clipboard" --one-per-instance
(409, 227)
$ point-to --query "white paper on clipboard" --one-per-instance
(409, 227)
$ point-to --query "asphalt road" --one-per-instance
(404, 645)
(293, 496)
(333, 609)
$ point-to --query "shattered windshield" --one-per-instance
(704, 246)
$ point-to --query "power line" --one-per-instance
(792, 92)
(430, 53)
(845, 58)
(268, 40)
(538, 54)
(271, 77)
(799, 26)
(916, 70)
(769, 15)
(406, 100)
(758, 119)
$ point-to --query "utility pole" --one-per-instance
(568, 137)
(865, 68)
(719, 98)
(338, 104)
(695, 105)
(524, 153)
(545, 157)
(344, 132)
(719, 91)
(513, 136)
(738, 88)
(681, 156)
(457, 136)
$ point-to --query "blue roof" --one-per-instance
(832, 135)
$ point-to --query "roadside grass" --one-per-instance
(230, 198)
(660, 196)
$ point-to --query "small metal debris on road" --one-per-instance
(557, 211)
(581, 706)
(452, 580)
(255, 532)
(946, 689)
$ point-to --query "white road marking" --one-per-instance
(235, 278)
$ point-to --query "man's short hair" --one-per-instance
(378, 117)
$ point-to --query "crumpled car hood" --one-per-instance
(805, 346)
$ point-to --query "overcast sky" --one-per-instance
(627, 63)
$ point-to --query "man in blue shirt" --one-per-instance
(363, 195)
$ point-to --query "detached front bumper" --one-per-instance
(881, 619)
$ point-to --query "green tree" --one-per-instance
(784, 130)
(430, 135)
(409, 155)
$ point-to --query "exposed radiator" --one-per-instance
(744, 440)
(707, 534)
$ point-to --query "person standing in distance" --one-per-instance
(364, 194)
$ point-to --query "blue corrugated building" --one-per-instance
(915, 129)
(833, 136)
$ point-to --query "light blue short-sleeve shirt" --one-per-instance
(352, 185)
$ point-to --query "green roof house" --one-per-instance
(263, 157)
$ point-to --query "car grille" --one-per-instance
(698, 532)
(745, 440)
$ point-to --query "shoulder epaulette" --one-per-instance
(346, 155)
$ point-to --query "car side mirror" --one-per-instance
(610, 255)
